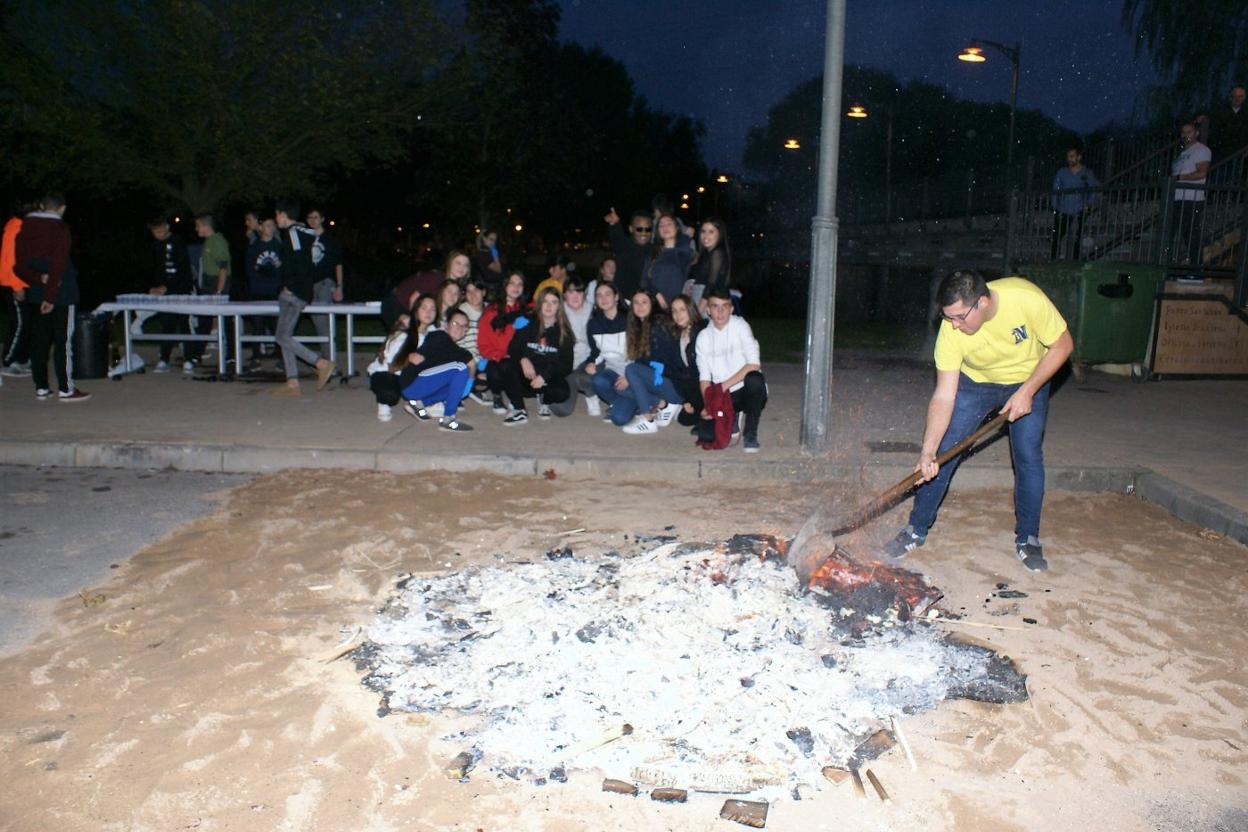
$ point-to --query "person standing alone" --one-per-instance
(294, 296)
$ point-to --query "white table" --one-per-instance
(237, 310)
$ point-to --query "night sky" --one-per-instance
(725, 62)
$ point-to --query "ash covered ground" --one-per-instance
(702, 666)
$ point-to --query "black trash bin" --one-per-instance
(90, 344)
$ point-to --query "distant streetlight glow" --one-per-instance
(975, 54)
(424, 225)
(857, 111)
(792, 144)
(701, 189)
(519, 227)
(400, 228)
(684, 206)
(721, 179)
(684, 196)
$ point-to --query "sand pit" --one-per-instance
(198, 695)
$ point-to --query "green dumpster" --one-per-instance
(1107, 305)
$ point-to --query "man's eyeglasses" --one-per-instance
(961, 319)
(642, 229)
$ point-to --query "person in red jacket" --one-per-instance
(41, 259)
(15, 352)
(494, 333)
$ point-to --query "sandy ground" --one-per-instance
(191, 690)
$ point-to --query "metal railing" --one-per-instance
(1188, 228)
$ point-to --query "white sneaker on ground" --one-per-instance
(517, 417)
(641, 426)
(543, 411)
(667, 414)
(161, 367)
(188, 367)
(594, 405)
(384, 414)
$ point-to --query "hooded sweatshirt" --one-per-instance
(608, 341)
(43, 248)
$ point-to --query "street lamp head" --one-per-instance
(857, 111)
(722, 179)
(792, 144)
(701, 189)
(972, 54)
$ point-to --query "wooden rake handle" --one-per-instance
(885, 501)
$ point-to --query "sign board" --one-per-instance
(1198, 333)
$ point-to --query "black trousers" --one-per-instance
(171, 324)
(518, 388)
(51, 336)
(386, 386)
(691, 391)
(16, 348)
(750, 398)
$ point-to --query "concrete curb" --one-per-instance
(1192, 506)
(1183, 502)
(241, 459)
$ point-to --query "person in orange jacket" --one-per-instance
(15, 351)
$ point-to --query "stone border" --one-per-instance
(1181, 501)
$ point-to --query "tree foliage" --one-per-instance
(935, 135)
(1199, 49)
(203, 102)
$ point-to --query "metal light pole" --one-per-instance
(975, 54)
(816, 433)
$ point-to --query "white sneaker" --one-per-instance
(161, 367)
(188, 368)
(667, 414)
(383, 413)
(593, 405)
(543, 411)
(639, 426)
(17, 370)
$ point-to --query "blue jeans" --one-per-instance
(973, 403)
(622, 405)
(645, 391)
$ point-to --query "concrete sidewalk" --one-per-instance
(1183, 444)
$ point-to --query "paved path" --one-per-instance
(63, 529)
(1191, 435)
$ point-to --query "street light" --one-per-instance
(792, 144)
(974, 54)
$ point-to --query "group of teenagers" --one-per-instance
(666, 349)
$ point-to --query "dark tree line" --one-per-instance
(402, 111)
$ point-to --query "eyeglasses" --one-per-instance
(961, 319)
(642, 229)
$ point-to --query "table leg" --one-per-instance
(125, 319)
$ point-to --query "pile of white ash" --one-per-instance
(728, 675)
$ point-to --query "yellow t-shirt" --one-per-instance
(1007, 348)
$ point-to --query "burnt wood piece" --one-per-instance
(875, 784)
(619, 787)
(665, 795)
(458, 768)
(835, 776)
(859, 789)
(872, 747)
(745, 812)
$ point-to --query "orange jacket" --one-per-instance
(8, 245)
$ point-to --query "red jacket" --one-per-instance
(493, 343)
(718, 402)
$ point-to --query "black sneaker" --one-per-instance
(499, 408)
(751, 444)
(905, 540)
(417, 412)
(1031, 553)
(518, 417)
(453, 424)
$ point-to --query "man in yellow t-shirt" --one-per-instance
(998, 346)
